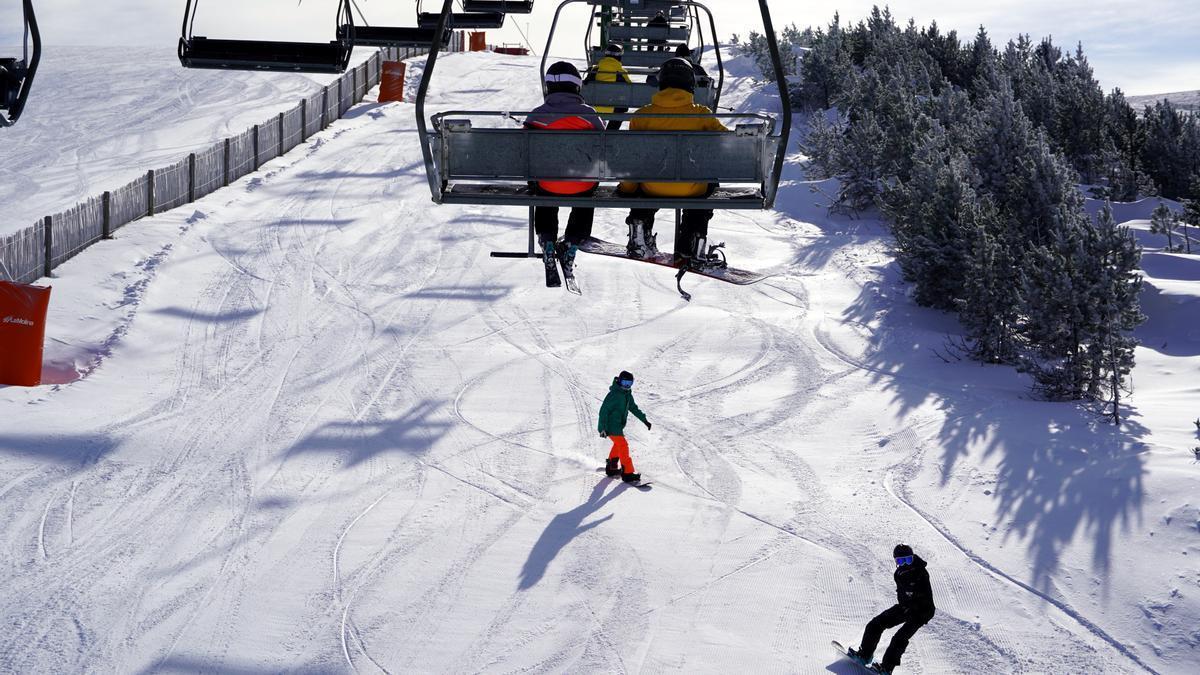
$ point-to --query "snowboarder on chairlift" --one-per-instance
(676, 96)
(914, 608)
(614, 413)
(610, 69)
(563, 109)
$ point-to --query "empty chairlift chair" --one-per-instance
(16, 74)
(460, 20)
(502, 6)
(300, 57)
(493, 165)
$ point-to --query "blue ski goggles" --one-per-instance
(904, 560)
(625, 384)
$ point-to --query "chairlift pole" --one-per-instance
(784, 99)
(422, 92)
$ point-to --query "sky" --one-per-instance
(1144, 47)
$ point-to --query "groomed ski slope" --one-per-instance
(320, 430)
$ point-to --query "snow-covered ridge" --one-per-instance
(1184, 100)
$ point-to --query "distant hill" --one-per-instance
(1184, 100)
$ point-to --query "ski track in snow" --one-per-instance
(327, 433)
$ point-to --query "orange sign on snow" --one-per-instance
(391, 85)
(22, 333)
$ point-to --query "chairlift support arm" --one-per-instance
(14, 94)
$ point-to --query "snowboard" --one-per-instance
(730, 275)
(639, 485)
(845, 654)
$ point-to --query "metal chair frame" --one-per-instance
(301, 57)
(14, 94)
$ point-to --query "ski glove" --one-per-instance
(603, 434)
(647, 425)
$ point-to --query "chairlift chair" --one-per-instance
(641, 59)
(502, 6)
(478, 165)
(16, 74)
(460, 20)
(300, 57)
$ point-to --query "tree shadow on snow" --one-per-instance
(413, 432)
(1060, 472)
(561, 530)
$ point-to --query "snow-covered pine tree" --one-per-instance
(988, 308)
(927, 211)
(1191, 216)
(1164, 221)
(1111, 258)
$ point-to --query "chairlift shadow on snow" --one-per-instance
(562, 530)
(412, 432)
(76, 450)
(1061, 471)
(232, 316)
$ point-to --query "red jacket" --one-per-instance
(569, 112)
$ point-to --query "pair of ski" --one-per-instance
(873, 668)
(554, 279)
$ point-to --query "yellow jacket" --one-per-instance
(673, 102)
(609, 69)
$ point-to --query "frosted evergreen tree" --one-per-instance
(1164, 221)
(1191, 216)
(1112, 258)
(990, 302)
(927, 212)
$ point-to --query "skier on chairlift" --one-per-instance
(676, 91)
(610, 69)
(563, 109)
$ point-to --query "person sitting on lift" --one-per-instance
(564, 108)
(610, 69)
(676, 89)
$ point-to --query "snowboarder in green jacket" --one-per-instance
(614, 413)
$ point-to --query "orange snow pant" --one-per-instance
(620, 450)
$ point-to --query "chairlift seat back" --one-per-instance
(645, 33)
(502, 6)
(396, 36)
(305, 57)
(459, 20)
(634, 95)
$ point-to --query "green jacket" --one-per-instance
(614, 412)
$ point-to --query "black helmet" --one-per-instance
(614, 50)
(677, 73)
(563, 76)
(683, 51)
(902, 550)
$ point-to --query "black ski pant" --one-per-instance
(693, 224)
(579, 223)
(909, 620)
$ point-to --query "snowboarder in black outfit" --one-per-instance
(914, 608)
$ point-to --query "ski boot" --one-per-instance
(865, 662)
(700, 255)
(611, 469)
(631, 477)
(549, 253)
(566, 256)
(642, 242)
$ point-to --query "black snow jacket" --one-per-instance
(912, 588)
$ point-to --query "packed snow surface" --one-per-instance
(308, 424)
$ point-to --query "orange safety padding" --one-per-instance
(391, 85)
(22, 333)
(479, 41)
